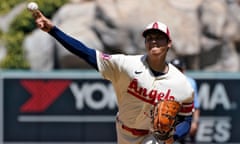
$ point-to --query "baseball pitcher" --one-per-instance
(155, 100)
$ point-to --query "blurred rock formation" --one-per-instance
(206, 33)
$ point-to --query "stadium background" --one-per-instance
(79, 107)
(45, 101)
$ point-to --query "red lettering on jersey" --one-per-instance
(168, 96)
(153, 94)
(144, 92)
(133, 84)
(149, 96)
(43, 93)
(160, 95)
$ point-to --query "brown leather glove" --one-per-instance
(164, 118)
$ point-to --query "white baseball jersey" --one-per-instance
(137, 90)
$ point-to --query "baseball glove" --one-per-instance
(164, 118)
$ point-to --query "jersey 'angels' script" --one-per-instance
(149, 96)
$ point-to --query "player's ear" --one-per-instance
(169, 43)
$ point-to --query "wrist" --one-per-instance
(195, 121)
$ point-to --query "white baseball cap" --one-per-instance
(157, 26)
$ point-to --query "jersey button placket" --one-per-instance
(155, 87)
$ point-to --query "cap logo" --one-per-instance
(155, 25)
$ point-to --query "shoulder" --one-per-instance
(175, 73)
(130, 59)
(106, 56)
(119, 61)
(179, 76)
(181, 83)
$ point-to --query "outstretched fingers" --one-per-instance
(37, 14)
(42, 22)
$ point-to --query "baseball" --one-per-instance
(32, 6)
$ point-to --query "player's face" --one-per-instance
(157, 43)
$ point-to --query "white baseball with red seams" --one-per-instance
(32, 6)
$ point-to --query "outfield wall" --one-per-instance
(79, 107)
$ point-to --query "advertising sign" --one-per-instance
(58, 109)
(80, 108)
(219, 102)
